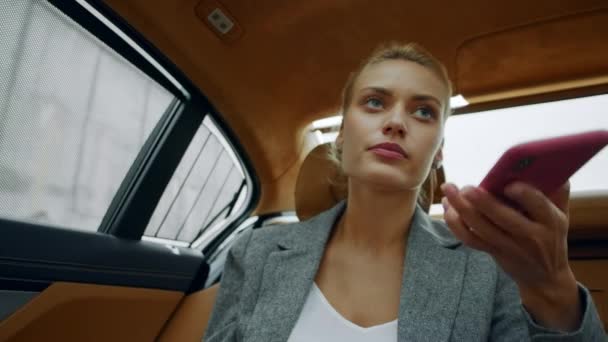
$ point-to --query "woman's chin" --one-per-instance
(387, 181)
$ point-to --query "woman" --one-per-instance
(377, 268)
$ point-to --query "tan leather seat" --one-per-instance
(190, 319)
(316, 188)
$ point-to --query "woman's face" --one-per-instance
(393, 126)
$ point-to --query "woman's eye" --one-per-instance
(425, 112)
(374, 103)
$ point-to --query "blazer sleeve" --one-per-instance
(222, 323)
(511, 321)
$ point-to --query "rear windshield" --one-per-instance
(474, 142)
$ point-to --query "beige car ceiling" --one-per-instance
(284, 62)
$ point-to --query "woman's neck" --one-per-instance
(376, 218)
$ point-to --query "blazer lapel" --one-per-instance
(432, 283)
(287, 277)
(430, 291)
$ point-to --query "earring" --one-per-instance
(436, 164)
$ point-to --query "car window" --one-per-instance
(73, 117)
(475, 141)
(467, 161)
(207, 189)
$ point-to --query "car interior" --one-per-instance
(193, 121)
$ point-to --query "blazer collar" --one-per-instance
(430, 290)
(313, 233)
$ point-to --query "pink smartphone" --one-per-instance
(545, 164)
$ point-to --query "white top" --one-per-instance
(320, 322)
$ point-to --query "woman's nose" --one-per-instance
(395, 125)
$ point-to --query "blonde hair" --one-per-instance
(411, 52)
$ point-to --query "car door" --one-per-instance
(115, 173)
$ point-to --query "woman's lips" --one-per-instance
(389, 150)
(387, 153)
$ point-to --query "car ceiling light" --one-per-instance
(220, 21)
(458, 101)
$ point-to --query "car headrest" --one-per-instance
(318, 186)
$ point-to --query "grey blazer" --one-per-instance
(449, 292)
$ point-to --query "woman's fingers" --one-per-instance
(538, 207)
(460, 229)
(489, 233)
(530, 247)
(510, 220)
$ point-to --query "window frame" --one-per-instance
(141, 189)
(222, 218)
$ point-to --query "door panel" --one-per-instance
(36, 253)
(191, 318)
(11, 300)
(66, 285)
(134, 314)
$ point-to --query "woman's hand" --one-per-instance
(532, 247)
